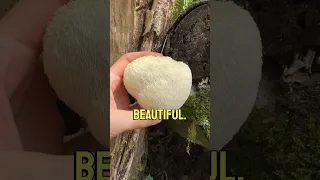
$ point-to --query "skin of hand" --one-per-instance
(27, 102)
(29, 118)
(121, 117)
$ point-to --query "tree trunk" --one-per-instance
(121, 25)
(136, 25)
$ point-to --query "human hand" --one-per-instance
(121, 118)
(28, 114)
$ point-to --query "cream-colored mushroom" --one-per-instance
(76, 65)
(75, 61)
(236, 69)
(158, 82)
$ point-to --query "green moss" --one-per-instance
(280, 144)
(197, 111)
(180, 6)
(141, 167)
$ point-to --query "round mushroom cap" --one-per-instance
(158, 82)
(76, 62)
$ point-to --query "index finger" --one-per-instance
(118, 67)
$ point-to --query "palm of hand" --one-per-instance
(121, 119)
(118, 94)
(26, 90)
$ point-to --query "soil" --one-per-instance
(168, 159)
(286, 27)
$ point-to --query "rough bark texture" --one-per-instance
(151, 17)
(121, 25)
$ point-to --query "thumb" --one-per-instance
(122, 120)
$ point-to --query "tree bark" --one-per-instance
(121, 25)
(136, 25)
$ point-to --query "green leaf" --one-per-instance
(149, 177)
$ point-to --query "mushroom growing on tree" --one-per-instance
(158, 82)
(75, 62)
(75, 54)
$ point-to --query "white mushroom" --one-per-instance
(158, 82)
(76, 62)
(236, 69)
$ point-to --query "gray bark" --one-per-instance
(151, 18)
